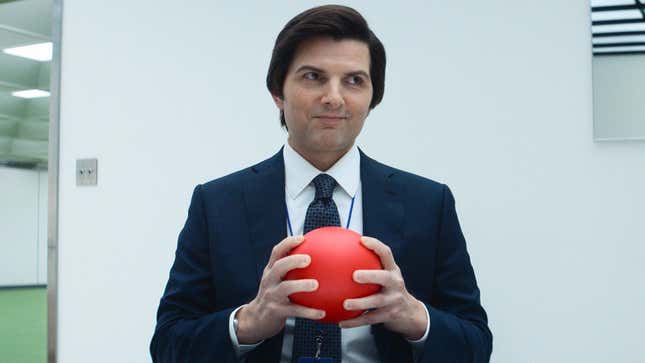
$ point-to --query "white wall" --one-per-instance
(23, 227)
(493, 98)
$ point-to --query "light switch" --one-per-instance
(86, 171)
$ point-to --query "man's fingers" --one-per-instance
(381, 277)
(299, 311)
(284, 265)
(369, 318)
(373, 301)
(282, 249)
(382, 250)
(289, 287)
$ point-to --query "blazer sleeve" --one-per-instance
(189, 329)
(458, 324)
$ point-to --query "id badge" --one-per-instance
(315, 360)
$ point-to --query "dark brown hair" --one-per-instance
(336, 21)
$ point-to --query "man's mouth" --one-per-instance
(330, 117)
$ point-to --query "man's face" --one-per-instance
(327, 92)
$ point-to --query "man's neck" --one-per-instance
(320, 160)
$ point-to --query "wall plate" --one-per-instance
(86, 172)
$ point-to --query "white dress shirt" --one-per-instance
(357, 344)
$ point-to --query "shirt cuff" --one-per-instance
(240, 349)
(418, 344)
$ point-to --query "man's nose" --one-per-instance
(333, 96)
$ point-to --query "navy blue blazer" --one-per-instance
(234, 222)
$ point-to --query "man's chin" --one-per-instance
(334, 146)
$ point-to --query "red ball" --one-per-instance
(335, 254)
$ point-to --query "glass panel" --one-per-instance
(24, 140)
(618, 45)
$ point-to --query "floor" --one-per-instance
(23, 325)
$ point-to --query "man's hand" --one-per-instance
(393, 305)
(265, 316)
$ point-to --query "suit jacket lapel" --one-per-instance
(266, 209)
(383, 212)
(264, 197)
(383, 216)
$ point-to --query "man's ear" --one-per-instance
(278, 101)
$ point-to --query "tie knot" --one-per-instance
(325, 185)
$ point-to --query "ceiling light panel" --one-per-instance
(618, 28)
(619, 39)
(616, 15)
(612, 2)
(41, 52)
(30, 93)
(640, 48)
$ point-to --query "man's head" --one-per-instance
(326, 72)
(335, 21)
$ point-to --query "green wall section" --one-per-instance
(23, 325)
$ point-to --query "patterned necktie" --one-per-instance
(322, 212)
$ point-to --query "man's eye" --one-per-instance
(312, 76)
(355, 80)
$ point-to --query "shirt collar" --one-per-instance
(299, 172)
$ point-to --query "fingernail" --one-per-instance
(321, 314)
(357, 276)
(341, 325)
(306, 260)
(347, 305)
(314, 285)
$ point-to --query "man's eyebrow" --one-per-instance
(359, 73)
(318, 70)
(309, 68)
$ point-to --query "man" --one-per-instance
(226, 300)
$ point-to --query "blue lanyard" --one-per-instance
(349, 218)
